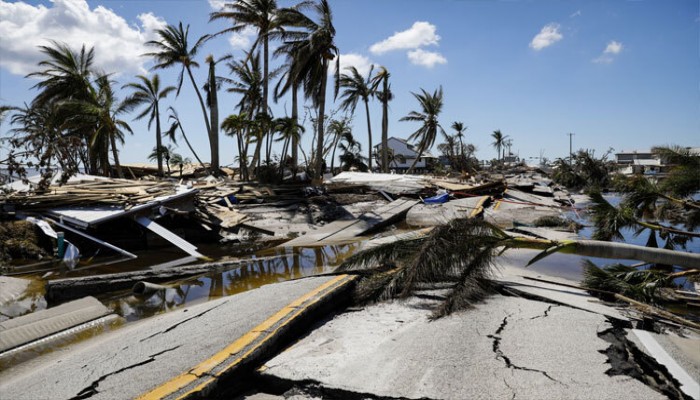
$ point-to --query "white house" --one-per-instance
(404, 155)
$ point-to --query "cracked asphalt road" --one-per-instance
(127, 362)
(506, 348)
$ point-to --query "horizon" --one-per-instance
(622, 75)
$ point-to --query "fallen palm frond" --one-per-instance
(459, 252)
(638, 284)
(462, 253)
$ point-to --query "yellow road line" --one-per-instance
(291, 310)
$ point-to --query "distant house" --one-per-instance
(644, 162)
(404, 155)
(629, 157)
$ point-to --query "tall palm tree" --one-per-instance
(149, 93)
(459, 128)
(172, 49)
(289, 81)
(67, 75)
(356, 88)
(385, 96)
(211, 88)
(289, 131)
(431, 106)
(340, 129)
(236, 125)
(314, 47)
(101, 114)
(498, 141)
(265, 17)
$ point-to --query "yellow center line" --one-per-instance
(206, 366)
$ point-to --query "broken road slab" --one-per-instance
(146, 356)
(507, 347)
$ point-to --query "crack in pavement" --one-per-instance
(499, 353)
(92, 389)
(170, 328)
(546, 312)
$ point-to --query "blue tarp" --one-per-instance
(439, 199)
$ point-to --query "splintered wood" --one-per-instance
(122, 192)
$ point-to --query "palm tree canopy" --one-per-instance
(148, 92)
(66, 74)
(173, 48)
(313, 46)
(261, 14)
(431, 106)
(355, 88)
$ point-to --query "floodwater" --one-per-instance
(264, 267)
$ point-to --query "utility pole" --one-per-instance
(571, 153)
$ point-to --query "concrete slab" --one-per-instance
(505, 348)
(131, 361)
(440, 214)
(342, 230)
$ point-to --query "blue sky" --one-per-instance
(620, 74)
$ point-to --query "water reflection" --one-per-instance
(265, 267)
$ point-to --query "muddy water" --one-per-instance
(262, 268)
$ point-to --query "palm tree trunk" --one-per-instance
(369, 135)
(184, 136)
(242, 163)
(214, 110)
(335, 146)
(611, 250)
(385, 127)
(201, 103)
(159, 142)
(115, 154)
(266, 84)
(295, 142)
(318, 173)
(420, 154)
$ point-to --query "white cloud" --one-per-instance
(575, 14)
(420, 34)
(243, 39)
(118, 45)
(426, 59)
(611, 50)
(216, 5)
(548, 36)
(362, 63)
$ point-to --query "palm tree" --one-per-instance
(66, 75)
(173, 48)
(463, 252)
(314, 48)
(431, 106)
(340, 129)
(459, 128)
(163, 152)
(498, 141)
(357, 88)
(290, 131)
(101, 114)
(351, 152)
(287, 82)
(236, 125)
(148, 92)
(211, 88)
(384, 96)
(175, 124)
(267, 19)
